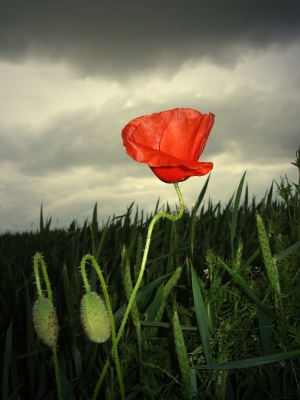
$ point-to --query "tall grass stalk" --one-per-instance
(269, 261)
(182, 356)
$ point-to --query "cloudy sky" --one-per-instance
(73, 73)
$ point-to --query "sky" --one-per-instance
(73, 74)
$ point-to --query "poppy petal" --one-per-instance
(170, 142)
(186, 138)
(156, 158)
(181, 173)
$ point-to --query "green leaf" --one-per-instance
(252, 362)
(6, 363)
(266, 331)
(201, 318)
(287, 251)
(243, 284)
(195, 209)
(118, 315)
(235, 212)
(156, 303)
(41, 219)
(167, 325)
(102, 240)
(252, 258)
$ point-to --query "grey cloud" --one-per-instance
(72, 139)
(121, 39)
(250, 125)
(82, 137)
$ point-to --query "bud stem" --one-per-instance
(111, 317)
(39, 258)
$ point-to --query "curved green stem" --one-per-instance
(142, 269)
(145, 255)
(39, 258)
(110, 314)
(83, 273)
(37, 275)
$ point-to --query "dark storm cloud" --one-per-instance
(122, 38)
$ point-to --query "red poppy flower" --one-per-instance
(170, 142)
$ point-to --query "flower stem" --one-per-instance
(39, 258)
(140, 277)
(57, 377)
(110, 313)
(145, 255)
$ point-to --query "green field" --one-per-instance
(217, 314)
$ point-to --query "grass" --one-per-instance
(217, 315)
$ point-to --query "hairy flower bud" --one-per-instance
(45, 321)
(94, 318)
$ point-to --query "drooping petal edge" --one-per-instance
(156, 158)
(181, 173)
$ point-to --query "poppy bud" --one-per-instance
(45, 321)
(94, 318)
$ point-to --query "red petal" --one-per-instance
(155, 158)
(170, 142)
(186, 138)
(179, 174)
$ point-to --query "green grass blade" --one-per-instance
(42, 379)
(144, 291)
(95, 221)
(66, 386)
(155, 305)
(287, 251)
(139, 339)
(100, 245)
(250, 260)
(78, 369)
(195, 209)
(235, 212)
(6, 362)
(201, 318)
(168, 326)
(193, 382)
(41, 219)
(266, 330)
(252, 362)
(166, 291)
(243, 284)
